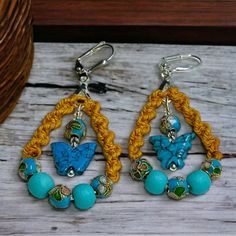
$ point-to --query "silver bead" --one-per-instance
(173, 167)
(71, 173)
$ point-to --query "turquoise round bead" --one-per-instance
(40, 184)
(156, 182)
(199, 182)
(84, 196)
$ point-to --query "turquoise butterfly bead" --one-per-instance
(40, 184)
(156, 182)
(172, 153)
(199, 182)
(84, 196)
(71, 161)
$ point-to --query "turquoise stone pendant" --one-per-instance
(171, 150)
(172, 153)
(73, 159)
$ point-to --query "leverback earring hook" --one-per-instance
(168, 66)
(83, 72)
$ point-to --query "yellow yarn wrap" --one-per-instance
(99, 122)
(182, 104)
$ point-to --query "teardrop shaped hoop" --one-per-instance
(182, 104)
(99, 123)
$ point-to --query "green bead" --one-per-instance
(40, 184)
(156, 182)
(199, 182)
(60, 197)
(75, 129)
(140, 169)
(84, 196)
(28, 167)
(212, 167)
(102, 186)
(177, 188)
(170, 123)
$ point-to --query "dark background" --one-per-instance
(149, 21)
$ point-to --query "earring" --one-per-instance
(73, 158)
(171, 150)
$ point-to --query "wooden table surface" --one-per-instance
(130, 77)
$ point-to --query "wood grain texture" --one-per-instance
(149, 12)
(16, 52)
(135, 21)
(130, 210)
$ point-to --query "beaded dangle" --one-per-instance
(73, 158)
(171, 150)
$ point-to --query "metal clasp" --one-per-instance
(171, 64)
(84, 71)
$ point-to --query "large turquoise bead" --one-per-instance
(40, 184)
(84, 196)
(199, 182)
(156, 182)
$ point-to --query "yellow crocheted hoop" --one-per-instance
(191, 115)
(99, 122)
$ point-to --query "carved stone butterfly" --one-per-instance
(72, 161)
(172, 153)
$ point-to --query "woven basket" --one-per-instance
(16, 52)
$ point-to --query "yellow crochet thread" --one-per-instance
(99, 122)
(181, 104)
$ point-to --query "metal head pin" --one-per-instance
(169, 65)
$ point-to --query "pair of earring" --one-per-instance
(73, 158)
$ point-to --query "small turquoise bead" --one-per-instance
(169, 123)
(40, 184)
(84, 196)
(75, 128)
(156, 181)
(177, 188)
(140, 169)
(102, 186)
(28, 167)
(60, 197)
(212, 167)
(199, 182)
